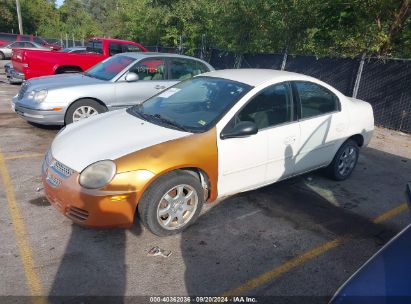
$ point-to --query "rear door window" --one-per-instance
(131, 48)
(115, 48)
(182, 68)
(315, 100)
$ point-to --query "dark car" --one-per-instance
(386, 277)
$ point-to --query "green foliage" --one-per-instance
(319, 27)
(7, 16)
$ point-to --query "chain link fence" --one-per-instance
(384, 83)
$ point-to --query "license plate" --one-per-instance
(13, 107)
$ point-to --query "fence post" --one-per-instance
(238, 59)
(66, 40)
(180, 45)
(74, 44)
(285, 56)
(358, 78)
(202, 47)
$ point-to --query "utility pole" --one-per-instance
(19, 17)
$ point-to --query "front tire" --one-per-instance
(344, 161)
(171, 203)
(82, 109)
(2, 57)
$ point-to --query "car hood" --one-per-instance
(62, 81)
(107, 136)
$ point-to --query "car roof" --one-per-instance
(140, 55)
(254, 77)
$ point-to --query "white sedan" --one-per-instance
(214, 135)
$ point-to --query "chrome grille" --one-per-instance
(54, 182)
(61, 169)
(23, 89)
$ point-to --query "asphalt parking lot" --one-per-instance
(299, 238)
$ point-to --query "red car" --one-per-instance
(6, 38)
(34, 63)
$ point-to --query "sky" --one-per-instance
(59, 2)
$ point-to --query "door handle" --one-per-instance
(290, 140)
(159, 87)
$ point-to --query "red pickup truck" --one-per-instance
(34, 63)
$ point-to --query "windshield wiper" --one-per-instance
(136, 110)
(168, 122)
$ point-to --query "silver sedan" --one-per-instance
(6, 51)
(117, 82)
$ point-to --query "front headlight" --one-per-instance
(38, 96)
(98, 175)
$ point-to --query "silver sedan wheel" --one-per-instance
(177, 207)
(347, 161)
(84, 112)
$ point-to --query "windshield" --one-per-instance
(194, 105)
(107, 69)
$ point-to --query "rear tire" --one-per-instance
(344, 161)
(171, 203)
(82, 109)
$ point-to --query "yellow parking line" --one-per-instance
(287, 266)
(301, 259)
(31, 155)
(33, 280)
(390, 213)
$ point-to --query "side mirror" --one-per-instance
(408, 193)
(131, 77)
(242, 129)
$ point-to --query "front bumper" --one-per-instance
(91, 208)
(43, 117)
(14, 76)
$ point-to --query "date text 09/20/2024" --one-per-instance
(205, 299)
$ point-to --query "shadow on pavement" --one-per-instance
(250, 233)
